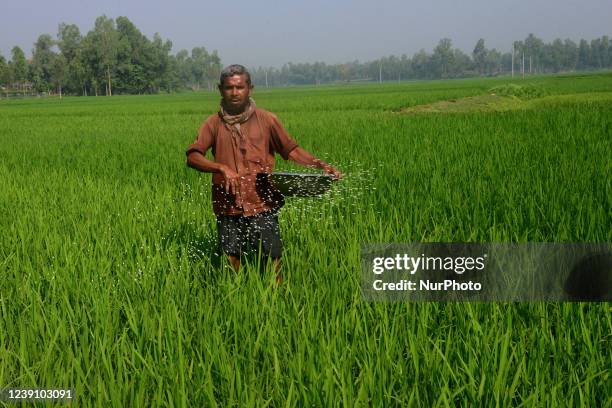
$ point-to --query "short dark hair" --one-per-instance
(234, 69)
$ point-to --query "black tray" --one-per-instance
(300, 184)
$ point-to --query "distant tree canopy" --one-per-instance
(116, 58)
(531, 55)
(113, 58)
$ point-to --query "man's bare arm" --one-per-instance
(302, 157)
(198, 161)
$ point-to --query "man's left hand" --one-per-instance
(332, 171)
(301, 156)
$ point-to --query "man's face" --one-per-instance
(235, 92)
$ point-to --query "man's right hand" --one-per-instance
(232, 180)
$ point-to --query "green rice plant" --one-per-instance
(112, 282)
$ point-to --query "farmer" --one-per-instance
(244, 139)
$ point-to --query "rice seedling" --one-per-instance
(112, 283)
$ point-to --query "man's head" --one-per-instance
(235, 88)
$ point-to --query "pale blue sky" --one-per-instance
(272, 32)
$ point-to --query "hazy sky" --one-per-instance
(273, 32)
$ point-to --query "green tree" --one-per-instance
(345, 72)
(480, 56)
(493, 63)
(78, 74)
(317, 72)
(606, 58)
(212, 69)
(69, 41)
(157, 66)
(506, 61)
(199, 57)
(461, 64)
(584, 55)
(93, 68)
(570, 53)
(519, 52)
(596, 60)
(173, 83)
(4, 72)
(18, 67)
(557, 55)
(405, 67)
(183, 67)
(442, 58)
(43, 59)
(534, 49)
(59, 68)
(132, 57)
(106, 40)
(420, 64)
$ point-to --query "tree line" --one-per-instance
(114, 57)
(529, 56)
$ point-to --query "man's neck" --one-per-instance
(236, 111)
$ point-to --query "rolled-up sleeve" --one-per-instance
(281, 142)
(204, 140)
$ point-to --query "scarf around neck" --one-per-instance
(236, 120)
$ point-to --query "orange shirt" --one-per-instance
(264, 136)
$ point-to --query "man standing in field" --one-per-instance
(244, 139)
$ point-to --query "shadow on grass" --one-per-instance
(201, 247)
(204, 253)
